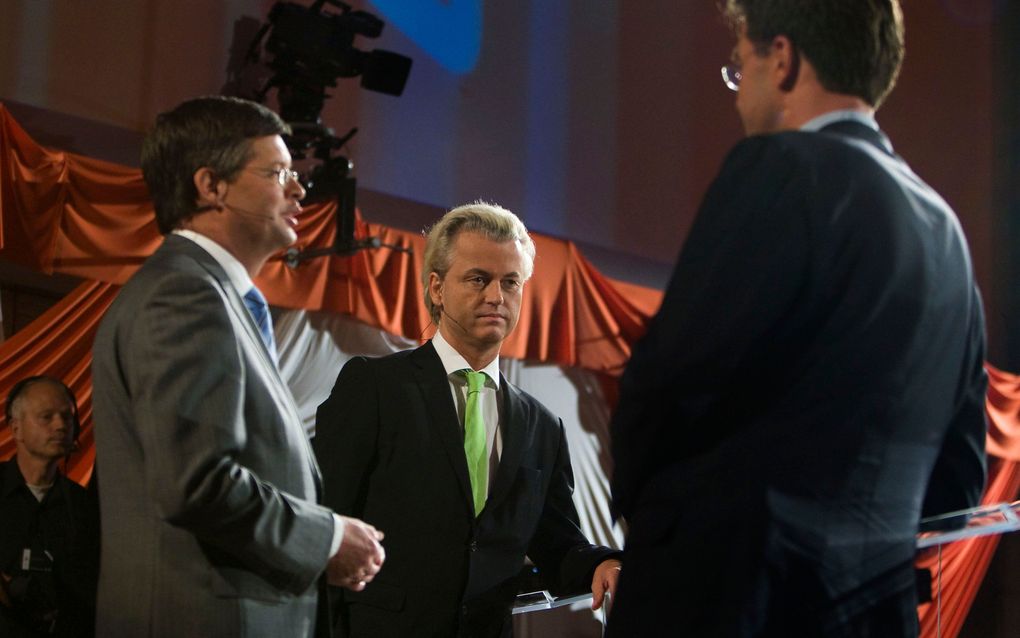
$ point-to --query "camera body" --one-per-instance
(32, 592)
(312, 48)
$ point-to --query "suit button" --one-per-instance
(473, 546)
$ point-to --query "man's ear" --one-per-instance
(210, 189)
(436, 289)
(787, 59)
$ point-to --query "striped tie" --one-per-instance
(260, 313)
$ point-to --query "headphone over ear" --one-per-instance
(20, 387)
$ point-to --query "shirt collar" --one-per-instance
(235, 271)
(453, 361)
(823, 120)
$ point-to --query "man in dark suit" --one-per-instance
(813, 381)
(466, 477)
(210, 525)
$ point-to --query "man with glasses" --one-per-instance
(813, 382)
(210, 525)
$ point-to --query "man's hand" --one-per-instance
(359, 558)
(604, 580)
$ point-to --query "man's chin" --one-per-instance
(286, 238)
(57, 452)
(491, 335)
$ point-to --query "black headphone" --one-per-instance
(20, 387)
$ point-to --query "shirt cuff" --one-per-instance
(338, 535)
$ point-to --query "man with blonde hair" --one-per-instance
(465, 472)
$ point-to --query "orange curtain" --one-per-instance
(965, 563)
(59, 343)
(60, 212)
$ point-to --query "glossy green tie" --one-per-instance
(474, 439)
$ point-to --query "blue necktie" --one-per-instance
(260, 313)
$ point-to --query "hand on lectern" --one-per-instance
(604, 581)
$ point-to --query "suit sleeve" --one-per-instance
(558, 547)
(958, 479)
(742, 267)
(187, 381)
(346, 427)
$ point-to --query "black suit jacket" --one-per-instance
(392, 453)
(65, 524)
(813, 378)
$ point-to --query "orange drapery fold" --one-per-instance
(59, 343)
(61, 212)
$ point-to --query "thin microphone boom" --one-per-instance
(455, 322)
(247, 213)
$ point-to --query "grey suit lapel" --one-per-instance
(442, 414)
(239, 313)
(251, 339)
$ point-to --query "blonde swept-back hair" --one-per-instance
(489, 220)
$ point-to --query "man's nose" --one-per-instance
(296, 189)
(494, 293)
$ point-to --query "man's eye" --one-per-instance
(511, 284)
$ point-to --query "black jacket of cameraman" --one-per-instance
(61, 534)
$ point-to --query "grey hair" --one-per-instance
(491, 221)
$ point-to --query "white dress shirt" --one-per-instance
(823, 120)
(489, 397)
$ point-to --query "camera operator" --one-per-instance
(49, 539)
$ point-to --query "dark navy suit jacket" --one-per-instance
(812, 383)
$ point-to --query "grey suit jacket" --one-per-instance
(210, 525)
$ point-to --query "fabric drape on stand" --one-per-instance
(965, 563)
(60, 212)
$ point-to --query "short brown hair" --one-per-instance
(856, 48)
(215, 132)
(493, 222)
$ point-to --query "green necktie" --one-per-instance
(474, 439)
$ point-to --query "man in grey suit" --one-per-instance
(210, 525)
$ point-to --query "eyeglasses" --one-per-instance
(731, 76)
(283, 175)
